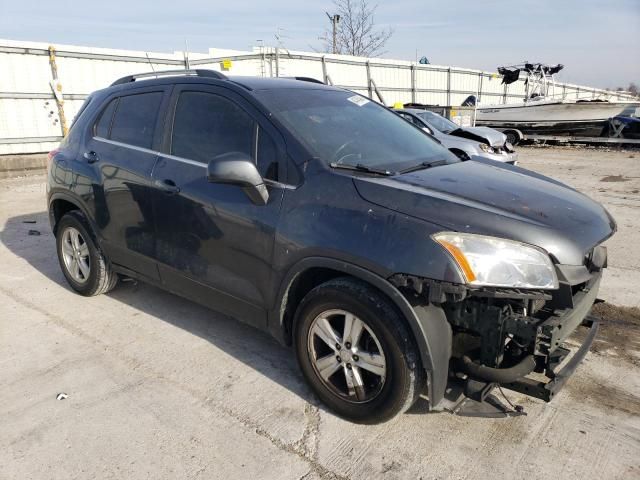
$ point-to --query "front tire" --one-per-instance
(83, 264)
(356, 352)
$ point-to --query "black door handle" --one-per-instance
(167, 186)
(91, 157)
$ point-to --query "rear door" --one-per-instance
(123, 146)
(213, 243)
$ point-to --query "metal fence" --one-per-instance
(42, 87)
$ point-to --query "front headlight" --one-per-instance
(496, 262)
(485, 148)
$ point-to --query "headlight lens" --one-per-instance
(496, 262)
(484, 147)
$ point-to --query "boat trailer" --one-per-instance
(614, 128)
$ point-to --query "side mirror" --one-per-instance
(237, 168)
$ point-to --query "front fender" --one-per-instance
(428, 323)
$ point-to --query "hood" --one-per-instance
(481, 134)
(495, 199)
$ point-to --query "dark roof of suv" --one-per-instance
(246, 82)
(269, 83)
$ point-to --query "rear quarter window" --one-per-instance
(103, 125)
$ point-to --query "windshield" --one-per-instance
(341, 127)
(438, 122)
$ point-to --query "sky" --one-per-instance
(598, 41)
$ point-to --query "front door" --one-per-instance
(123, 147)
(213, 243)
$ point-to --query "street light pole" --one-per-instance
(334, 19)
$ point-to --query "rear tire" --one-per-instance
(83, 264)
(512, 137)
(374, 378)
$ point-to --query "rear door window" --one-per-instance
(135, 119)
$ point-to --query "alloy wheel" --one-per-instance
(75, 254)
(347, 356)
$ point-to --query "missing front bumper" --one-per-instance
(546, 390)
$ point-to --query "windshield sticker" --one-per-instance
(358, 100)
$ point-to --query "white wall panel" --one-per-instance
(25, 70)
(427, 78)
(347, 75)
(298, 68)
(83, 76)
(20, 118)
(492, 84)
(465, 82)
(391, 77)
(24, 73)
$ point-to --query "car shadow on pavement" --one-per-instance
(30, 238)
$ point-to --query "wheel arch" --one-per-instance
(427, 323)
(62, 203)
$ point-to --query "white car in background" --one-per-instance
(465, 142)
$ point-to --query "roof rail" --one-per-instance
(307, 79)
(198, 73)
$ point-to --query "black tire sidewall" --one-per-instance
(77, 221)
(386, 324)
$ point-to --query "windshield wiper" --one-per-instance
(423, 165)
(361, 168)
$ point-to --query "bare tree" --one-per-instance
(632, 89)
(356, 33)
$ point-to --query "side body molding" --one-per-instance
(428, 323)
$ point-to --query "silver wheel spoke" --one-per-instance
(84, 250)
(75, 269)
(354, 382)
(67, 249)
(372, 362)
(74, 238)
(353, 327)
(327, 366)
(325, 331)
(84, 268)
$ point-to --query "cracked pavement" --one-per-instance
(159, 387)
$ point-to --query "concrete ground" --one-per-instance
(159, 387)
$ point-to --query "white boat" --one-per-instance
(543, 111)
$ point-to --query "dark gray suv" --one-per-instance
(309, 211)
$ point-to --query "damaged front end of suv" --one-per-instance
(510, 320)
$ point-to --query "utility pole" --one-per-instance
(334, 19)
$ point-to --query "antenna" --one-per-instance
(279, 36)
(150, 64)
(186, 54)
